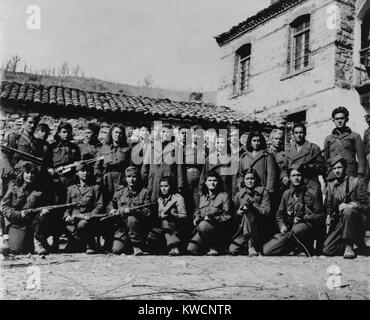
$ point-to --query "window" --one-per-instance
(365, 42)
(299, 54)
(242, 70)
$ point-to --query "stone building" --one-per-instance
(299, 59)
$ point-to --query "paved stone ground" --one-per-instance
(80, 276)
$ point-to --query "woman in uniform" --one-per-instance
(212, 220)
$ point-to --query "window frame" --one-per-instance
(242, 69)
(305, 52)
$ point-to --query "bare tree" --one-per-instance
(64, 69)
(12, 63)
(75, 70)
(148, 80)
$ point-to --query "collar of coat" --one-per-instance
(306, 146)
(259, 154)
(251, 193)
(345, 130)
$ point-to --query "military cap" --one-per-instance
(336, 159)
(131, 170)
(29, 167)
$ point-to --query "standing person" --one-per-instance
(171, 217)
(131, 226)
(27, 230)
(282, 178)
(42, 133)
(61, 152)
(83, 221)
(346, 205)
(347, 143)
(194, 158)
(213, 220)
(235, 153)
(141, 153)
(117, 157)
(164, 164)
(219, 161)
(299, 217)
(243, 142)
(90, 147)
(252, 203)
(367, 151)
(25, 142)
(256, 157)
(301, 151)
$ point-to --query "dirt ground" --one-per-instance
(81, 276)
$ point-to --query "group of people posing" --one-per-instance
(200, 194)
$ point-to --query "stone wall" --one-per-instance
(327, 83)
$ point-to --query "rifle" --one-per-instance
(54, 207)
(319, 153)
(334, 216)
(109, 216)
(29, 157)
(250, 200)
(68, 167)
(165, 212)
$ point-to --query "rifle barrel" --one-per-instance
(32, 157)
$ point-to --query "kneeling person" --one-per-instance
(83, 220)
(171, 215)
(346, 206)
(27, 227)
(132, 223)
(253, 207)
(299, 217)
(212, 220)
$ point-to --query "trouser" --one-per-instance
(282, 244)
(248, 234)
(208, 235)
(348, 230)
(21, 235)
(193, 176)
(84, 231)
(130, 232)
(167, 231)
(111, 180)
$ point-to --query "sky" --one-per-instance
(125, 40)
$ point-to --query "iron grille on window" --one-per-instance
(243, 57)
(301, 43)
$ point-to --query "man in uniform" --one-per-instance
(25, 142)
(307, 155)
(277, 150)
(346, 204)
(82, 221)
(347, 143)
(26, 229)
(90, 147)
(42, 133)
(132, 224)
(299, 217)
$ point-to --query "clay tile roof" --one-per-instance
(259, 18)
(111, 102)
